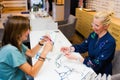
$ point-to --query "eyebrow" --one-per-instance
(95, 24)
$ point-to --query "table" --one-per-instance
(39, 21)
(56, 65)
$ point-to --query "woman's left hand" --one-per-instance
(74, 57)
(71, 56)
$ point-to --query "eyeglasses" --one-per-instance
(64, 75)
(94, 25)
(58, 60)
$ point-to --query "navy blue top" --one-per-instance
(100, 52)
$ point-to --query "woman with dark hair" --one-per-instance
(13, 62)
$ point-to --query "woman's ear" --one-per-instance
(106, 27)
(19, 37)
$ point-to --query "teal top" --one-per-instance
(10, 60)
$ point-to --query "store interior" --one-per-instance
(77, 27)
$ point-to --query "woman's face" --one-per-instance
(25, 35)
(98, 27)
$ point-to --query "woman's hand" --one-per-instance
(71, 56)
(67, 52)
(74, 57)
(47, 48)
(67, 49)
(45, 39)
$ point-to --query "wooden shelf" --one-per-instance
(14, 6)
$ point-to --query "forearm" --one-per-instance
(37, 66)
(33, 70)
(81, 48)
(95, 64)
(40, 44)
(34, 50)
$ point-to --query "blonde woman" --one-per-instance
(100, 46)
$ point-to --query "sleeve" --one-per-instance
(83, 47)
(24, 48)
(105, 57)
(16, 59)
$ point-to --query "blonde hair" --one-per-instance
(104, 17)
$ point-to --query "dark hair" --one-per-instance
(14, 27)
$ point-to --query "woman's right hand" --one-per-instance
(47, 48)
(45, 39)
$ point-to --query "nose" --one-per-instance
(93, 25)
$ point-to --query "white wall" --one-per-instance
(110, 5)
(58, 12)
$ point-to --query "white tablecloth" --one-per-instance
(56, 65)
(39, 22)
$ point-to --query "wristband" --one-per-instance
(41, 59)
(40, 44)
(71, 49)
